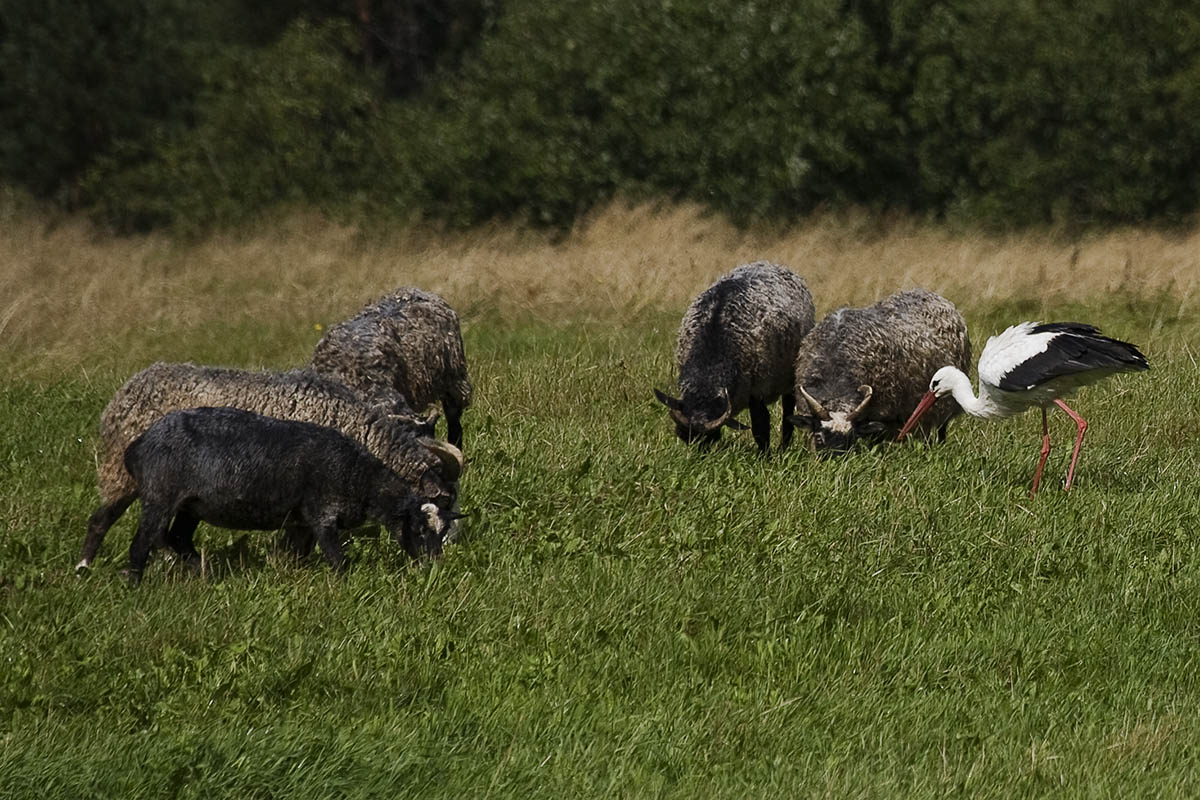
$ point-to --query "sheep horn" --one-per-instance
(674, 407)
(866, 393)
(816, 407)
(450, 456)
(719, 421)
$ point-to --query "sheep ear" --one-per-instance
(799, 421)
(428, 424)
(668, 401)
(425, 426)
(737, 426)
(450, 456)
(411, 418)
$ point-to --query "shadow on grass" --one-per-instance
(246, 553)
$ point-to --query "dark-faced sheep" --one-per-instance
(862, 371)
(737, 349)
(405, 348)
(236, 469)
(431, 468)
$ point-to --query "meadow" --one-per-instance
(626, 616)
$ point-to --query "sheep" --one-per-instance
(862, 371)
(736, 349)
(430, 467)
(237, 469)
(405, 348)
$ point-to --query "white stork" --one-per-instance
(1029, 365)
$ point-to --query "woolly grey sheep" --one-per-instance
(430, 467)
(404, 347)
(862, 371)
(237, 469)
(737, 349)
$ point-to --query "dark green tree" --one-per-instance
(77, 77)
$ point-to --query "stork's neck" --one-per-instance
(964, 395)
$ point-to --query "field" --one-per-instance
(626, 617)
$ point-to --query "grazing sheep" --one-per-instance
(404, 348)
(862, 371)
(237, 469)
(430, 467)
(737, 349)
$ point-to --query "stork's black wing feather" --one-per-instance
(1077, 328)
(1077, 348)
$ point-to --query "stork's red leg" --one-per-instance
(1037, 475)
(1081, 426)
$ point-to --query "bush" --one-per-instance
(1000, 112)
(290, 124)
(756, 110)
(79, 77)
(1032, 113)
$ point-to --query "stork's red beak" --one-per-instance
(923, 406)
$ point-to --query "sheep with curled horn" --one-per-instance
(402, 442)
(736, 349)
(244, 471)
(862, 371)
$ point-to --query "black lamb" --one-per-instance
(241, 470)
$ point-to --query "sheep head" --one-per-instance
(832, 431)
(698, 423)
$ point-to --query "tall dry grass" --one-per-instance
(71, 296)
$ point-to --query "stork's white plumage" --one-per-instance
(1030, 365)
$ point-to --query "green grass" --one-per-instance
(627, 617)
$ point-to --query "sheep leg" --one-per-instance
(297, 540)
(786, 429)
(99, 523)
(180, 538)
(326, 534)
(454, 432)
(760, 424)
(150, 532)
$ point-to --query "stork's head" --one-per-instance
(940, 385)
(942, 382)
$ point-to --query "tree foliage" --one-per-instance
(77, 77)
(1006, 113)
(286, 124)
